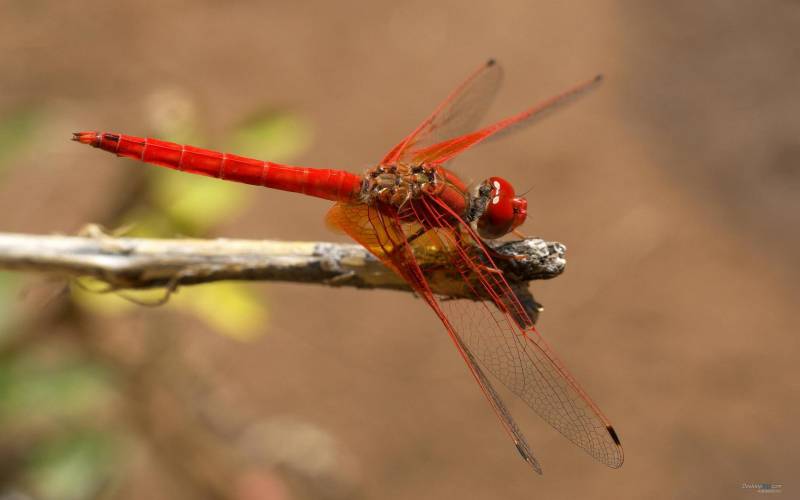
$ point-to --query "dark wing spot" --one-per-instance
(613, 434)
(111, 137)
(491, 62)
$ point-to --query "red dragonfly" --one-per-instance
(410, 203)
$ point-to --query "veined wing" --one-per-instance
(388, 240)
(448, 149)
(507, 344)
(496, 331)
(458, 114)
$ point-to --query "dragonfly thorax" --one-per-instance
(397, 184)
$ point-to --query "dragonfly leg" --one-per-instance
(340, 279)
(481, 265)
(416, 235)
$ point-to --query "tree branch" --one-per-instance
(128, 263)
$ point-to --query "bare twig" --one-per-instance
(129, 263)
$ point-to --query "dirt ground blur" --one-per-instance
(676, 189)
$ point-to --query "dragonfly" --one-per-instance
(412, 204)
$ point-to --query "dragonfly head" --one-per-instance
(504, 212)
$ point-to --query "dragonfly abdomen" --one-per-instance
(334, 185)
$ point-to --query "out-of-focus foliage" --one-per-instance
(230, 308)
(35, 391)
(16, 130)
(57, 405)
(72, 467)
(50, 405)
(274, 135)
(196, 204)
(8, 290)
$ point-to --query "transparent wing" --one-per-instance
(501, 335)
(387, 239)
(458, 114)
(448, 149)
(495, 330)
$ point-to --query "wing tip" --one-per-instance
(528, 457)
(613, 435)
(599, 78)
(491, 61)
(616, 461)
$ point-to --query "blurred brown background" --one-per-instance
(675, 188)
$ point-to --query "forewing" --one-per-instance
(502, 337)
(448, 149)
(387, 238)
(496, 331)
(458, 114)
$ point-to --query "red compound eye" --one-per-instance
(504, 212)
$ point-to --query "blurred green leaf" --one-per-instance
(29, 389)
(195, 204)
(231, 308)
(271, 135)
(16, 130)
(147, 222)
(74, 467)
(9, 287)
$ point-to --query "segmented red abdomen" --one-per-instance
(334, 185)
